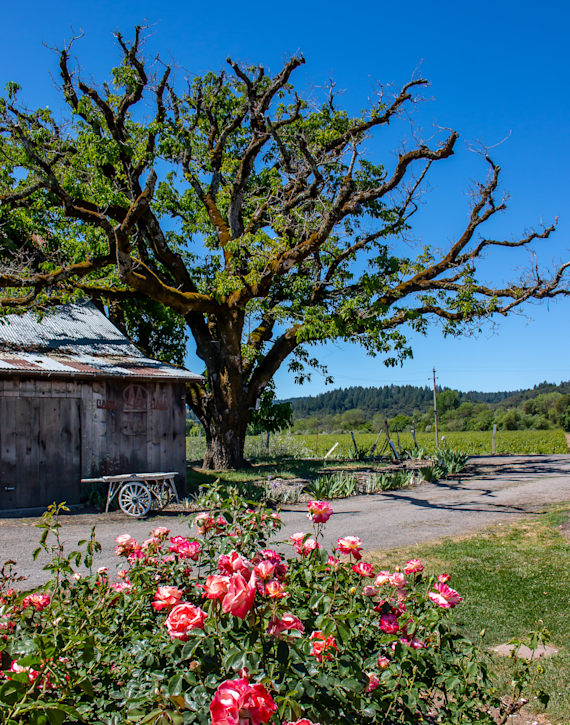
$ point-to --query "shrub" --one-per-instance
(217, 628)
(335, 485)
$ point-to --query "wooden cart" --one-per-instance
(139, 492)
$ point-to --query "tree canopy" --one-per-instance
(240, 210)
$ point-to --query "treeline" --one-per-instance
(365, 409)
(392, 399)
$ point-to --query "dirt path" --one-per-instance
(494, 489)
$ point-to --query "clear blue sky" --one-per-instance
(496, 69)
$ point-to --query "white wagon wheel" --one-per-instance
(162, 495)
(135, 499)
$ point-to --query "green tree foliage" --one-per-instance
(524, 409)
(248, 209)
(155, 328)
(448, 400)
(400, 423)
(562, 411)
(271, 416)
(389, 399)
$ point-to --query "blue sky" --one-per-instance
(497, 70)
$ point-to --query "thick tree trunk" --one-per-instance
(224, 404)
(224, 444)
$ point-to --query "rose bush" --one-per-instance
(243, 635)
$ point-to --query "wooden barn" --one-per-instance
(79, 400)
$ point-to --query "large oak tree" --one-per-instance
(246, 211)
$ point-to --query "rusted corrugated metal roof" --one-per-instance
(77, 329)
(76, 340)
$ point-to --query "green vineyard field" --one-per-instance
(523, 442)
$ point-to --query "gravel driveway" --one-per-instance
(493, 489)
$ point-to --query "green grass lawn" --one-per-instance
(511, 576)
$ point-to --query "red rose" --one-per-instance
(183, 619)
(240, 596)
(236, 702)
(321, 645)
(166, 598)
(287, 621)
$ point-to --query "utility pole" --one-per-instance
(435, 411)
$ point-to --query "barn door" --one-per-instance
(40, 451)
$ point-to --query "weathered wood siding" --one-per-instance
(54, 432)
(40, 443)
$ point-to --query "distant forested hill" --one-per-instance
(391, 400)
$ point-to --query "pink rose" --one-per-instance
(150, 543)
(401, 594)
(351, 546)
(124, 586)
(363, 568)
(413, 642)
(373, 682)
(161, 532)
(36, 600)
(278, 625)
(185, 548)
(204, 522)
(444, 578)
(136, 555)
(445, 596)
(183, 619)
(32, 674)
(302, 721)
(333, 563)
(297, 541)
(382, 578)
(236, 702)
(275, 590)
(389, 623)
(216, 587)
(319, 511)
(321, 645)
(270, 555)
(369, 591)
(398, 580)
(239, 598)
(125, 545)
(5, 623)
(310, 546)
(221, 522)
(413, 566)
(383, 662)
(274, 558)
(235, 563)
(166, 598)
(265, 569)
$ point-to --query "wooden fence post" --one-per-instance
(354, 442)
(494, 438)
(414, 437)
(392, 446)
